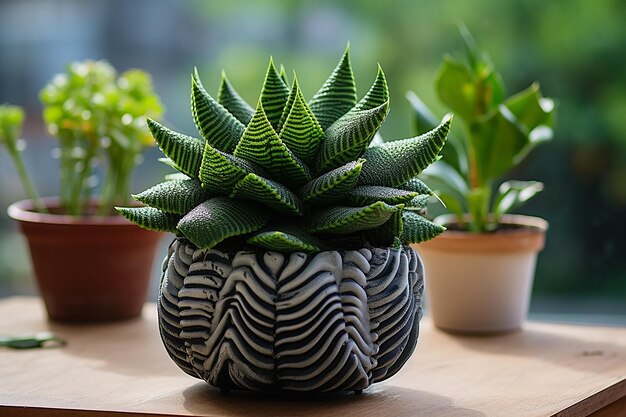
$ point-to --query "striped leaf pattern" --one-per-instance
(286, 240)
(228, 97)
(177, 196)
(220, 218)
(150, 218)
(377, 95)
(333, 185)
(417, 229)
(417, 185)
(184, 151)
(346, 220)
(332, 321)
(288, 165)
(274, 95)
(261, 145)
(216, 124)
(338, 94)
(295, 90)
(394, 163)
(368, 194)
(301, 133)
(221, 171)
(419, 202)
(348, 138)
(267, 192)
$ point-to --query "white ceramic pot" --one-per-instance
(481, 283)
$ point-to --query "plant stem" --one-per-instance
(29, 187)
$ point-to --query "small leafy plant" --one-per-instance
(11, 122)
(498, 133)
(292, 175)
(98, 118)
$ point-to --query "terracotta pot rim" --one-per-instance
(526, 223)
(528, 238)
(23, 211)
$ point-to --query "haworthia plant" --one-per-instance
(291, 175)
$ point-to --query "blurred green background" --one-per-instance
(575, 49)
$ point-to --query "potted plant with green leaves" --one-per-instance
(481, 269)
(91, 264)
(291, 268)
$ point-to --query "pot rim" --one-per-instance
(526, 223)
(23, 211)
(528, 238)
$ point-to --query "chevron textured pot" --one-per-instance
(264, 321)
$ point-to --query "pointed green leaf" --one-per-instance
(274, 95)
(301, 132)
(498, 141)
(295, 90)
(338, 94)
(283, 74)
(368, 194)
(417, 185)
(417, 229)
(394, 163)
(531, 108)
(261, 144)
(344, 220)
(286, 240)
(150, 218)
(221, 171)
(269, 193)
(377, 95)
(184, 151)
(388, 232)
(456, 89)
(178, 196)
(454, 153)
(512, 194)
(349, 137)
(419, 202)
(333, 185)
(228, 97)
(220, 218)
(220, 128)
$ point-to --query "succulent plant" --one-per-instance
(499, 132)
(292, 175)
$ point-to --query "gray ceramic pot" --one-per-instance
(265, 321)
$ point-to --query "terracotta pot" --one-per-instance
(88, 269)
(481, 283)
(265, 321)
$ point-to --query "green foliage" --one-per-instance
(11, 121)
(499, 133)
(98, 116)
(291, 175)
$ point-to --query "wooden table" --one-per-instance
(121, 369)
